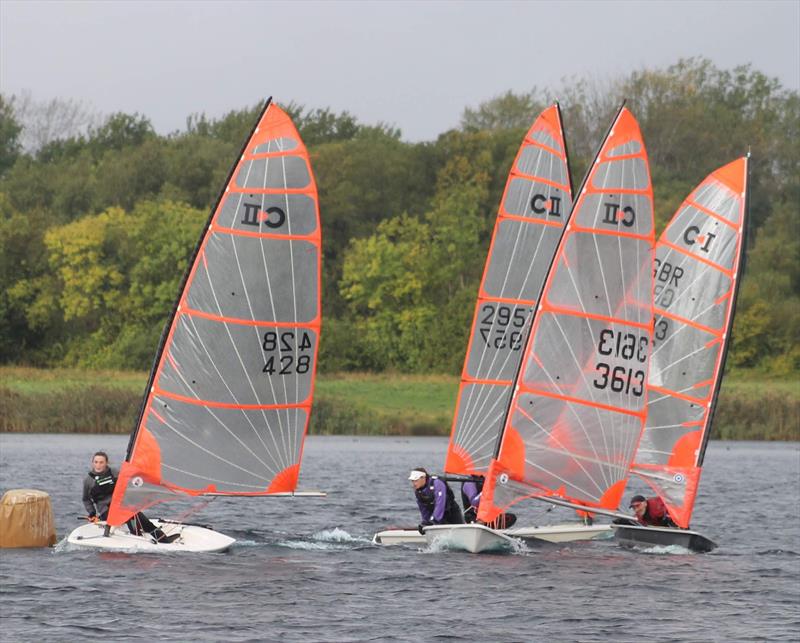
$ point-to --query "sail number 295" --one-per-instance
(622, 378)
(285, 358)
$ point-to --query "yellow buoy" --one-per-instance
(26, 519)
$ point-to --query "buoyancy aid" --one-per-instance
(103, 485)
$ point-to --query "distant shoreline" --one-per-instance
(64, 401)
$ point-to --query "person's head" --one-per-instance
(99, 462)
(418, 477)
(639, 505)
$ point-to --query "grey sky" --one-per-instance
(415, 65)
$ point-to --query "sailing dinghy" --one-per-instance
(579, 399)
(228, 402)
(536, 205)
(699, 262)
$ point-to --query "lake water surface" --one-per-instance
(305, 569)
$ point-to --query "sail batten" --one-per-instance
(230, 394)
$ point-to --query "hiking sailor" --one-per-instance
(436, 502)
(98, 487)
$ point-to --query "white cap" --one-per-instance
(416, 474)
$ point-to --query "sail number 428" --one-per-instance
(287, 361)
(628, 346)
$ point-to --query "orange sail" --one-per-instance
(699, 259)
(534, 209)
(580, 399)
(229, 397)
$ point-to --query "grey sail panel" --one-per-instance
(230, 398)
(534, 209)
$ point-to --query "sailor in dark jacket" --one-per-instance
(436, 502)
(98, 488)
(651, 512)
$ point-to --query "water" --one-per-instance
(305, 570)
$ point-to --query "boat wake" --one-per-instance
(664, 550)
(327, 539)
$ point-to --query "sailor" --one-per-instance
(435, 499)
(471, 498)
(471, 491)
(651, 512)
(98, 487)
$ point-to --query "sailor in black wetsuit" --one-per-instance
(98, 487)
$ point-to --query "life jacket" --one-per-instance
(427, 496)
(103, 485)
(656, 514)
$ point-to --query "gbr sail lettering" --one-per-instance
(628, 346)
(281, 356)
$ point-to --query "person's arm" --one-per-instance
(440, 501)
(87, 499)
(424, 513)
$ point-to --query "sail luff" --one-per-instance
(184, 279)
(535, 205)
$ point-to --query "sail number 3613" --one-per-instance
(622, 378)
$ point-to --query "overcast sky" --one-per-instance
(415, 65)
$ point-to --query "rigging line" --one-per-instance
(232, 394)
(208, 479)
(211, 453)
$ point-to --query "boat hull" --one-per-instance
(193, 539)
(561, 533)
(569, 532)
(473, 538)
(639, 536)
(407, 536)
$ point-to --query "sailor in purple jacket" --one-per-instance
(436, 502)
(471, 498)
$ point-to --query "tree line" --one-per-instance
(97, 223)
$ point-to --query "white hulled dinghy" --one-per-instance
(227, 405)
(699, 263)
